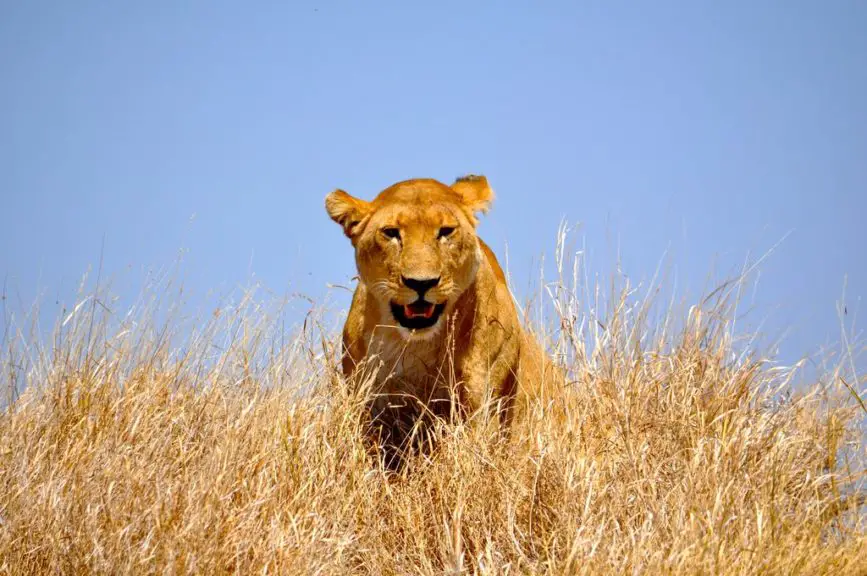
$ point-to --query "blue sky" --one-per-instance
(704, 131)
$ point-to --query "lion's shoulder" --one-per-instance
(492, 259)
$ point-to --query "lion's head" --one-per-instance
(415, 245)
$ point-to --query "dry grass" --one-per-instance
(135, 449)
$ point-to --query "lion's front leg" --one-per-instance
(489, 381)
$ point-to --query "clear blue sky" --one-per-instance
(708, 129)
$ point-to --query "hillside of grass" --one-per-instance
(131, 445)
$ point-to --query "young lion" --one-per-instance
(433, 308)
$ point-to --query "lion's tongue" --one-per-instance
(418, 310)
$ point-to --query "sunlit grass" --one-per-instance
(140, 446)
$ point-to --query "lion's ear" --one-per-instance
(346, 210)
(475, 192)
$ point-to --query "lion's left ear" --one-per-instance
(475, 192)
(348, 211)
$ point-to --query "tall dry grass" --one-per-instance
(138, 446)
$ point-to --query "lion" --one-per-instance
(433, 309)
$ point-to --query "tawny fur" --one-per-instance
(477, 351)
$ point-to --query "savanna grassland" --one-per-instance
(139, 445)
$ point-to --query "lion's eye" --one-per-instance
(391, 233)
(445, 231)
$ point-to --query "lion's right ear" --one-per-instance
(346, 210)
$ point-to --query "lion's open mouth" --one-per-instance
(418, 315)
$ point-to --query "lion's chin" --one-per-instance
(419, 316)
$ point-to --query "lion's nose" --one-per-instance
(420, 285)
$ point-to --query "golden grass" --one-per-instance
(137, 450)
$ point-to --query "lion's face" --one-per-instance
(415, 246)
